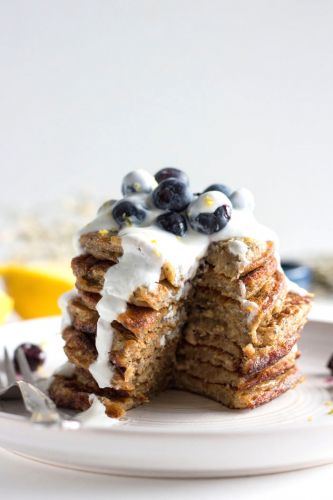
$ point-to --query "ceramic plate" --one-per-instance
(183, 435)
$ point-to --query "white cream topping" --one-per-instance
(294, 288)
(63, 303)
(66, 370)
(208, 203)
(95, 416)
(239, 249)
(140, 181)
(243, 199)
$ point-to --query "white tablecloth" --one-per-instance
(23, 479)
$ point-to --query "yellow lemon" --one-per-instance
(36, 287)
(6, 306)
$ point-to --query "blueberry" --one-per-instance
(34, 354)
(168, 172)
(243, 199)
(138, 181)
(172, 222)
(330, 364)
(126, 213)
(219, 187)
(210, 212)
(172, 194)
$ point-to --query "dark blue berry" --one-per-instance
(220, 187)
(34, 355)
(211, 222)
(126, 213)
(172, 194)
(172, 222)
(138, 181)
(168, 172)
(330, 364)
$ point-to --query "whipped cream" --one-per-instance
(63, 305)
(95, 416)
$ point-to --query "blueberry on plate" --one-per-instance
(34, 354)
(138, 181)
(210, 212)
(168, 172)
(127, 213)
(222, 188)
(172, 194)
(173, 222)
(242, 199)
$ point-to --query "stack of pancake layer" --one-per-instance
(229, 333)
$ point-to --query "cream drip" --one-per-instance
(63, 303)
(95, 415)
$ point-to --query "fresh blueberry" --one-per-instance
(172, 194)
(210, 212)
(138, 181)
(168, 172)
(209, 223)
(242, 199)
(126, 213)
(219, 187)
(330, 364)
(34, 355)
(172, 222)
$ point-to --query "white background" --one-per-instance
(233, 91)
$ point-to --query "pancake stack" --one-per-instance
(215, 316)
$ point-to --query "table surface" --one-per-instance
(32, 480)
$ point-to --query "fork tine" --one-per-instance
(9, 368)
(24, 367)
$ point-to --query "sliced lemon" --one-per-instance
(6, 306)
(36, 287)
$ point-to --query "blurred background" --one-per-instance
(231, 91)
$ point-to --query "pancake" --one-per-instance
(241, 399)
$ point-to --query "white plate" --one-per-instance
(183, 435)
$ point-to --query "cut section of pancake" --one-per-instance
(262, 393)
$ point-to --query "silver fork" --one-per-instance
(42, 408)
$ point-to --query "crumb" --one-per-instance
(103, 232)
(309, 419)
(330, 412)
(328, 403)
